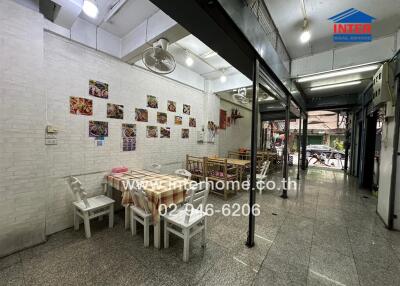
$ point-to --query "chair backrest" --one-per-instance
(234, 155)
(195, 165)
(183, 173)
(216, 166)
(155, 167)
(197, 198)
(264, 168)
(139, 197)
(76, 187)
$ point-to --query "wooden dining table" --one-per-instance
(239, 163)
(161, 189)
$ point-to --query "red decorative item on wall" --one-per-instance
(222, 119)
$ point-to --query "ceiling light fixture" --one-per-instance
(338, 73)
(209, 54)
(336, 85)
(222, 78)
(306, 34)
(189, 61)
(90, 8)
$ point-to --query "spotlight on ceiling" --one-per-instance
(335, 85)
(306, 34)
(189, 61)
(90, 8)
(222, 78)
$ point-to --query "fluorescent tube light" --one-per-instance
(338, 73)
(336, 85)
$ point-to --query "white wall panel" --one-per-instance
(108, 43)
(377, 50)
(84, 32)
(312, 64)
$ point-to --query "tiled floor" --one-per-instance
(326, 233)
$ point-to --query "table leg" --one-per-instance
(127, 217)
(157, 233)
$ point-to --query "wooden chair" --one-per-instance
(183, 173)
(234, 155)
(195, 165)
(140, 212)
(188, 220)
(262, 175)
(89, 208)
(219, 170)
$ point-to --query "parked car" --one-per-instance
(324, 150)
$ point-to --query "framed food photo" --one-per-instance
(141, 115)
(98, 128)
(152, 101)
(171, 106)
(115, 111)
(185, 133)
(165, 132)
(161, 117)
(222, 119)
(152, 132)
(186, 109)
(178, 120)
(192, 122)
(128, 137)
(80, 106)
(98, 89)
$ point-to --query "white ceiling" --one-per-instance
(209, 68)
(288, 18)
(133, 13)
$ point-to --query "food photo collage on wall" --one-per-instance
(99, 129)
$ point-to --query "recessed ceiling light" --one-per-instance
(336, 85)
(338, 73)
(90, 8)
(222, 78)
(209, 54)
(189, 61)
(305, 36)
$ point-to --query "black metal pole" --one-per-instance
(286, 150)
(298, 149)
(253, 169)
(346, 143)
(304, 144)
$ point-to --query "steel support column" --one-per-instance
(298, 149)
(304, 144)
(347, 143)
(286, 150)
(253, 169)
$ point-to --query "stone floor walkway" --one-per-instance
(326, 233)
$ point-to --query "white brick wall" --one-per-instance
(22, 120)
(69, 66)
(239, 134)
(38, 73)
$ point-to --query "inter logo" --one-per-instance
(352, 25)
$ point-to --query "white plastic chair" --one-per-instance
(89, 208)
(156, 168)
(262, 175)
(188, 220)
(183, 173)
(140, 212)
